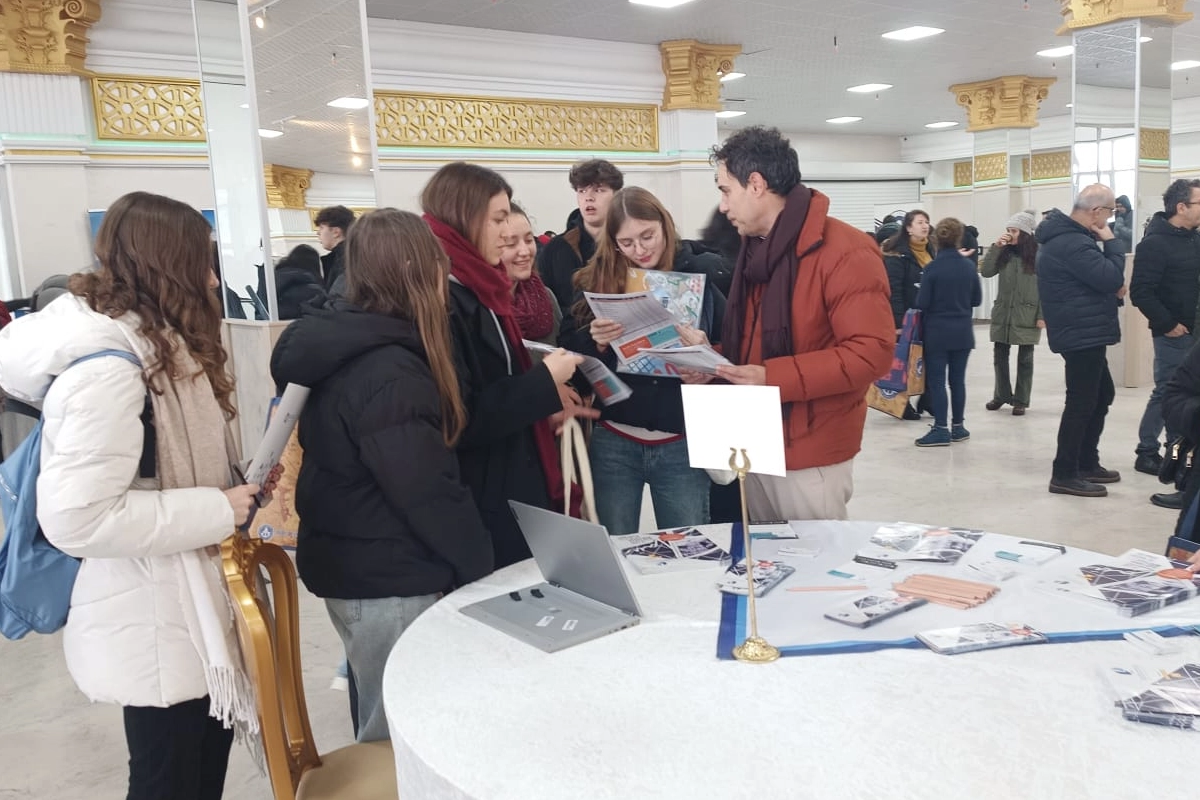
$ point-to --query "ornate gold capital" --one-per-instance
(286, 185)
(47, 36)
(1008, 102)
(1088, 13)
(693, 70)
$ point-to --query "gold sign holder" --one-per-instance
(755, 649)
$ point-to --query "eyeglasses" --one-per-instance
(1105, 208)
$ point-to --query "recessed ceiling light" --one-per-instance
(1070, 105)
(915, 32)
(356, 161)
(732, 76)
(659, 3)
(945, 124)
(244, 105)
(843, 120)
(348, 102)
(1178, 65)
(867, 88)
(729, 114)
(1055, 52)
(1144, 39)
(267, 133)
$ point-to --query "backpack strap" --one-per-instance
(148, 464)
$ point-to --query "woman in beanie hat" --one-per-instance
(1017, 312)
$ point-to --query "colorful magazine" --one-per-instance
(673, 550)
(681, 293)
(980, 636)
(907, 541)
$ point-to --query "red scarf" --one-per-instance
(531, 307)
(490, 284)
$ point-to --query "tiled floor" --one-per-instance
(58, 747)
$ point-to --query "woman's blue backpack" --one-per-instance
(36, 577)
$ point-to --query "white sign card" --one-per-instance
(748, 418)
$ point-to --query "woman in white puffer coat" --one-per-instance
(150, 625)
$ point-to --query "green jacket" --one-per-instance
(1017, 309)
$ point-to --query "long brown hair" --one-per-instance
(458, 194)
(395, 266)
(156, 260)
(1025, 248)
(607, 271)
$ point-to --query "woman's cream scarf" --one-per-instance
(195, 449)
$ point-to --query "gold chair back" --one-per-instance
(271, 646)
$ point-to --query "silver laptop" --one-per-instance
(586, 594)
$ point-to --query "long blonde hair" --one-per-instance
(607, 271)
(395, 266)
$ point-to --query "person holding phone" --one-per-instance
(1017, 312)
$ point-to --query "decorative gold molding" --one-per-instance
(991, 167)
(413, 119)
(693, 70)
(1010, 101)
(1154, 144)
(286, 185)
(1046, 166)
(144, 108)
(1088, 13)
(358, 211)
(46, 36)
(964, 173)
(44, 153)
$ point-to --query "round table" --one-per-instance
(650, 712)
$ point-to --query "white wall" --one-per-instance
(51, 220)
(191, 185)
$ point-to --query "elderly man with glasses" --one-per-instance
(1081, 285)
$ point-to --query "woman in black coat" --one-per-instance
(507, 451)
(386, 524)
(1181, 410)
(905, 255)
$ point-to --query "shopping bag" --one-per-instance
(916, 369)
(279, 522)
(889, 401)
(577, 469)
(906, 362)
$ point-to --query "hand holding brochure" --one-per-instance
(697, 358)
(608, 387)
(646, 322)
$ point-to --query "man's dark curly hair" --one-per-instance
(761, 150)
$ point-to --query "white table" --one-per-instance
(650, 712)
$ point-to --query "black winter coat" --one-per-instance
(296, 289)
(565, 255)
(1078, 284)
(904, 277)
(383, 510)
(333, 264)
(1165, 285)
(656, 403)
(1181, 411)
(497, 452)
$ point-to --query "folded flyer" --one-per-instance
(980, 636)
(673, 550)
(907, 541)
(608, 387)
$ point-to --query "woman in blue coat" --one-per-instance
(949, 291)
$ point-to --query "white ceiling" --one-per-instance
(795, 78)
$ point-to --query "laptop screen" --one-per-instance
(577, 555)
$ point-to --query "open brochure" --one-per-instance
(681, 293)
(907, 541)
(608, 387)
(697, 357)
(672, 551)
(649, 321)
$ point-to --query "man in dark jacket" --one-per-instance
(1165, 287)
(332, 224)
(1081, 288)
(595, 182)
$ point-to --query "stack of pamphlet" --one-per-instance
(1160, 697)
(1142, 582)
(981, 636)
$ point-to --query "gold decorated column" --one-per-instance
(693, 71)
(46, 36)
(1010, 101)
(286, 186)
(1089, 13)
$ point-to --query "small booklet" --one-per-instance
(907, 541)
(980, 636)
(866, 611)
(767, 575)
(608, 387)
(672, 551)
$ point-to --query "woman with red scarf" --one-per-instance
(534, 305)
(507, 451)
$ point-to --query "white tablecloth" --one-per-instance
(650, 712)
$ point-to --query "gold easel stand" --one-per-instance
(755, 649)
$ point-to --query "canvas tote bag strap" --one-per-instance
(573, 447)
